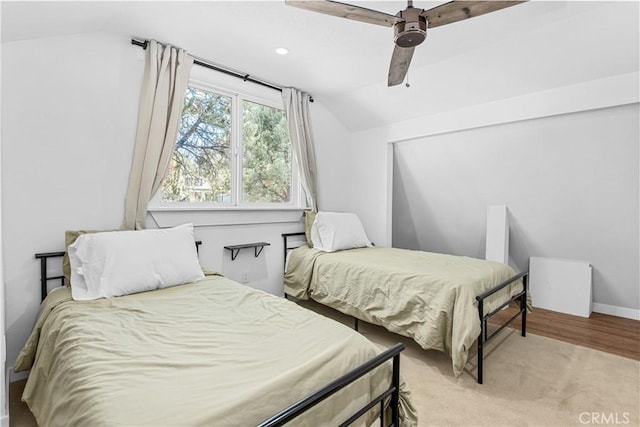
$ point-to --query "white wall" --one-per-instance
(68, 125)
(368, 182)
(4, 404)
(571, 184)
(68, 116)
(4, 407)
(372, 157)
(333, 159)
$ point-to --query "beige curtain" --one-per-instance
(296, 107)
(166, 75)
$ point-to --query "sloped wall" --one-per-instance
(571, 184)
(373, 166)
(69, 113)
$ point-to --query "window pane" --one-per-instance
(266, 155)
(200, 169)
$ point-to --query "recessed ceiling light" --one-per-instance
(282, 51)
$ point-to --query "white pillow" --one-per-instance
(315, 236)
(334, 231)
(118, 263)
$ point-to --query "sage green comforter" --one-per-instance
(212, 353)
(426, 296)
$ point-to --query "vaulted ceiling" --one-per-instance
(538, 45)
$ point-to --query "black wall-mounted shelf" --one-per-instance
(257, 248)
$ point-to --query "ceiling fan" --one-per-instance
(409, 25)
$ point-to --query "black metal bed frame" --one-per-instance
(391, 394)
(484, 336)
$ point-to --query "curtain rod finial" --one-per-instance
(143, 44)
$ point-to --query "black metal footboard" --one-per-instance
(484, 336)
(310, 401)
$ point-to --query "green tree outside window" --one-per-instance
(201, 166)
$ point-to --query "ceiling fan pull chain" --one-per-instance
(407, 83)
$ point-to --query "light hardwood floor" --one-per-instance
(602, 332)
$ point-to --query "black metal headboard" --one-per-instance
(287, 248)
(44, 274)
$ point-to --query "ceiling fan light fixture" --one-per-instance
(412, 31)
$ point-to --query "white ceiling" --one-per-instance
(534, 46)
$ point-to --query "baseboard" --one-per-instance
(613, 310)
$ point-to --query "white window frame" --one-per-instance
(297, 200)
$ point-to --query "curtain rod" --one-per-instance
(198, 61)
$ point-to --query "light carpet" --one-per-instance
(530, 381)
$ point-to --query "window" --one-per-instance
(200, 169)
(231, 151)
(266, 155)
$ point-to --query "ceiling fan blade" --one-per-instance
(400, 61)
(343, 10)
(459, 10)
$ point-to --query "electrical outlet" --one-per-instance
(245, 277)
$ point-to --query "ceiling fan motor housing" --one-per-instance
(413, 30)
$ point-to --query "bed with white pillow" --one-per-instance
(441, 301)
(142, 337)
